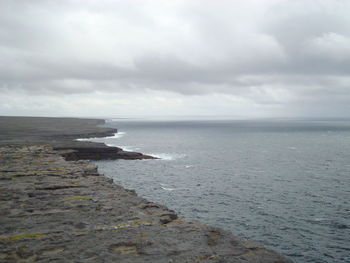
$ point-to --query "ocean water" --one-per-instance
(284, 184)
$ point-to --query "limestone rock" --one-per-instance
(53, 210)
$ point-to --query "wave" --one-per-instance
(167, 156)
(125, 148)
(167, 189)
(115, 136)
(112, 145)
(130, 148)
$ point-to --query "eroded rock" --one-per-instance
(53, 210)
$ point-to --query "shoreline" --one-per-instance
(55, 209)
(61, 134)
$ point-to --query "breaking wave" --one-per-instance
(167, 156)
(115, 136)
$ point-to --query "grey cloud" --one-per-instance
(268, 52)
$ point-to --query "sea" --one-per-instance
(283, 183)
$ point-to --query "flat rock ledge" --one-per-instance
(100, 153)
(53, 210)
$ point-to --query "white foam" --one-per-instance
(125, 148)
(130, 148)
(167, 189)
(167, 156)
(85, 139)
(115, 136)
(188, 166)
(111, 145)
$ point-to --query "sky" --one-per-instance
(122, 58)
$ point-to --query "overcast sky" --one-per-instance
(117, 58)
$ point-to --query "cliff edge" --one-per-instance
(53, 210)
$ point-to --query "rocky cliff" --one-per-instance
(61, 133)
(53, 210)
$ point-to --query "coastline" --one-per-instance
(60, 209)
(62, 135)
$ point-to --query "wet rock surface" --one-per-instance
(53, 210)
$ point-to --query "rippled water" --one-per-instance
(285, 184)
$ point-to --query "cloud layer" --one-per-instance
(256, 58)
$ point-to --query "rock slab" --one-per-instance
(53, 210)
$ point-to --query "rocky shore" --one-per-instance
(53, 210)
(61, 134)
(56, 207)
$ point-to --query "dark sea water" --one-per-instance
(284, 184)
